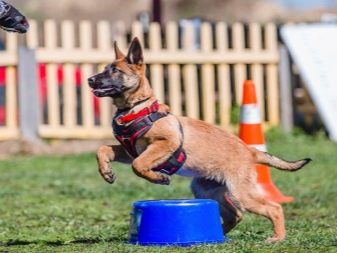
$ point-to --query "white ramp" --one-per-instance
(314, 50)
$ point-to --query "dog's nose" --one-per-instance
(91, 79)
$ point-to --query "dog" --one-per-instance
(158, 144)
(11, 19)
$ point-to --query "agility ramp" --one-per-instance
(313, 48)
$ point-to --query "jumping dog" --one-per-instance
(158, 144)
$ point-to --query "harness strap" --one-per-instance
(141, 122)
(123, 119)
(173, 164)
(128, 135)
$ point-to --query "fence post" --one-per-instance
(287, 117)
(29, 108)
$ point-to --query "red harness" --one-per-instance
(128, 128)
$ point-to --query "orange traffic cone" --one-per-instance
(251, 133)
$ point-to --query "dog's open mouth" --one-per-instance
(101, 92)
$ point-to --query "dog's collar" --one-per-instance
(126, 118)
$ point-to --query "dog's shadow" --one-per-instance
(57, 243)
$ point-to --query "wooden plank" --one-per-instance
(11, 43)
(157, 73)
(7, 133)
(175, 99)
(239, 68)
(190, 77)
(69, 88)
(104, 37)
(137, 31)
(273, 95)
(119, 35)
(225, 96)
(50, 34)
(75, 133)
(87, 109)
(271, 38)
(257, 78)
(8, 58)
(165, 57)
(32, 37)
(257, 69)
(53, 99)
(272, 76)
(11, 88)
(104, 45)
(85, 33)
(207, 76)
(11, 98)
(240, 76)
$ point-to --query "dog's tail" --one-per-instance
(278, 163)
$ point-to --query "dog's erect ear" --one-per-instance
(135, 54)
(118, 52)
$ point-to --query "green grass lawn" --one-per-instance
(60, 204)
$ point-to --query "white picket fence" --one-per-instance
(198, 76)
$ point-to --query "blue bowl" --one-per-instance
(175, 222)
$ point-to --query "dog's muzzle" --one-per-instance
(103, 90)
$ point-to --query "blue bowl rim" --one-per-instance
(174, 202)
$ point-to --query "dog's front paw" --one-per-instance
(164, 179)
(108, 176)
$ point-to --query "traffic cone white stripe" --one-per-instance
(250, 114)
(261, 147)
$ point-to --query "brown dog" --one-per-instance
(159, 144)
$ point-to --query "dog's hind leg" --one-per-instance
(229, 211)
(252, 200)
(272, 210)
(105, 155)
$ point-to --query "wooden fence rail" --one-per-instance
(198, 72)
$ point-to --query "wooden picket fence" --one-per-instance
(198, 76)
(9, 128)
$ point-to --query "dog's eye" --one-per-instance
(113, 70)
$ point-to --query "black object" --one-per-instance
(11, 19)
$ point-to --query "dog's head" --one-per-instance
(12, 20)
(122, 77)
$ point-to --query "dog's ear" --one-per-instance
(135, 54)
(118, 52)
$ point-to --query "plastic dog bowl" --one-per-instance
(175, 223)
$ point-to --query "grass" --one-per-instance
(60, 204)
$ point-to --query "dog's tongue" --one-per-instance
(98, 92)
